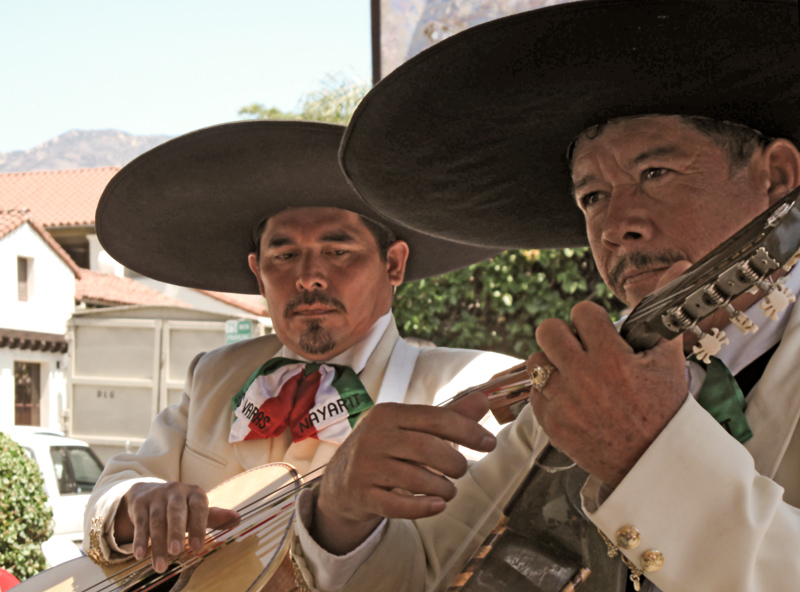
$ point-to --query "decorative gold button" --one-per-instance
(628, 537)
(652, 560)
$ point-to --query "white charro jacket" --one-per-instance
(189, 442)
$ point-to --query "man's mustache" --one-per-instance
(642, 261)
(309, 298)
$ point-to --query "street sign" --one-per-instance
(238, 330)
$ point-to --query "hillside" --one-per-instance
(77, 149)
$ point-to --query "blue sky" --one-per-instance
(166, 66)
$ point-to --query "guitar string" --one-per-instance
(265, 529)
(130, 581)
(135, 580)
(274, 523)
(275, 499)
(141, 569)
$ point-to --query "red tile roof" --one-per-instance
(56, 198)
(252, 303)
(13, 218)
(111, 290)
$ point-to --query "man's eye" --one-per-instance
(340, 252)
(654, 173)
(284, 256)
(589, 199)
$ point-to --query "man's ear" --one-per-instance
(396, 258)
(252, 261)
(782, 160)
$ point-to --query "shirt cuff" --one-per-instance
(101, 544)
(331, 572)
(594, 492)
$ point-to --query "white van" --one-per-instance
(70, 469)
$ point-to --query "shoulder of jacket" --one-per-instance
(447, 361)
(261, 348)
(441, 354)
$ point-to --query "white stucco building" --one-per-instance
(37, 299)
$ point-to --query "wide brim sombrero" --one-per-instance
(468, 139)
(185, 212)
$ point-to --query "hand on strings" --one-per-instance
(605, 404)
(397, 463)
(165, 513)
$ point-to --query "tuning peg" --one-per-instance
(777, 299)
(740, 320)
(792, 260)
(763, 285)
(709, 344)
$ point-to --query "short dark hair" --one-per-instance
(737, 141)
(383, 236)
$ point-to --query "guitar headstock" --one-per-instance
(739, 264)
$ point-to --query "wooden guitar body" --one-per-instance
(545, 543)
(244, 557)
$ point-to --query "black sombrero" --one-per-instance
(185, 212)
(467, 140)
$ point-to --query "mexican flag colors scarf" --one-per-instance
(320, 401)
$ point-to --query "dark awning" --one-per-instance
(32, 340)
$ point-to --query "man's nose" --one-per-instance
(311, 274)
(626, 218)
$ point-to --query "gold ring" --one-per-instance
(540, 375)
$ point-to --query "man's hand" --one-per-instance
(396, 464)
(606, 404)
(164, 513)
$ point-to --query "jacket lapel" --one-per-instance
(774, 406)
(372, 375)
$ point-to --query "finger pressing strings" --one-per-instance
(265, 517)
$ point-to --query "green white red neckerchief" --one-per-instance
(320, 401)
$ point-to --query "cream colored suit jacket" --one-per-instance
(189, 442)
(710, 505)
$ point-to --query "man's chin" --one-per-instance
(316, 340)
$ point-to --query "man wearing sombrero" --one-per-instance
(671, 125)
(262, 207)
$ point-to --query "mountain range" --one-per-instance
(79, 149)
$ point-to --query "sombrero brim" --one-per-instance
(185, 211)
(467, 140)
